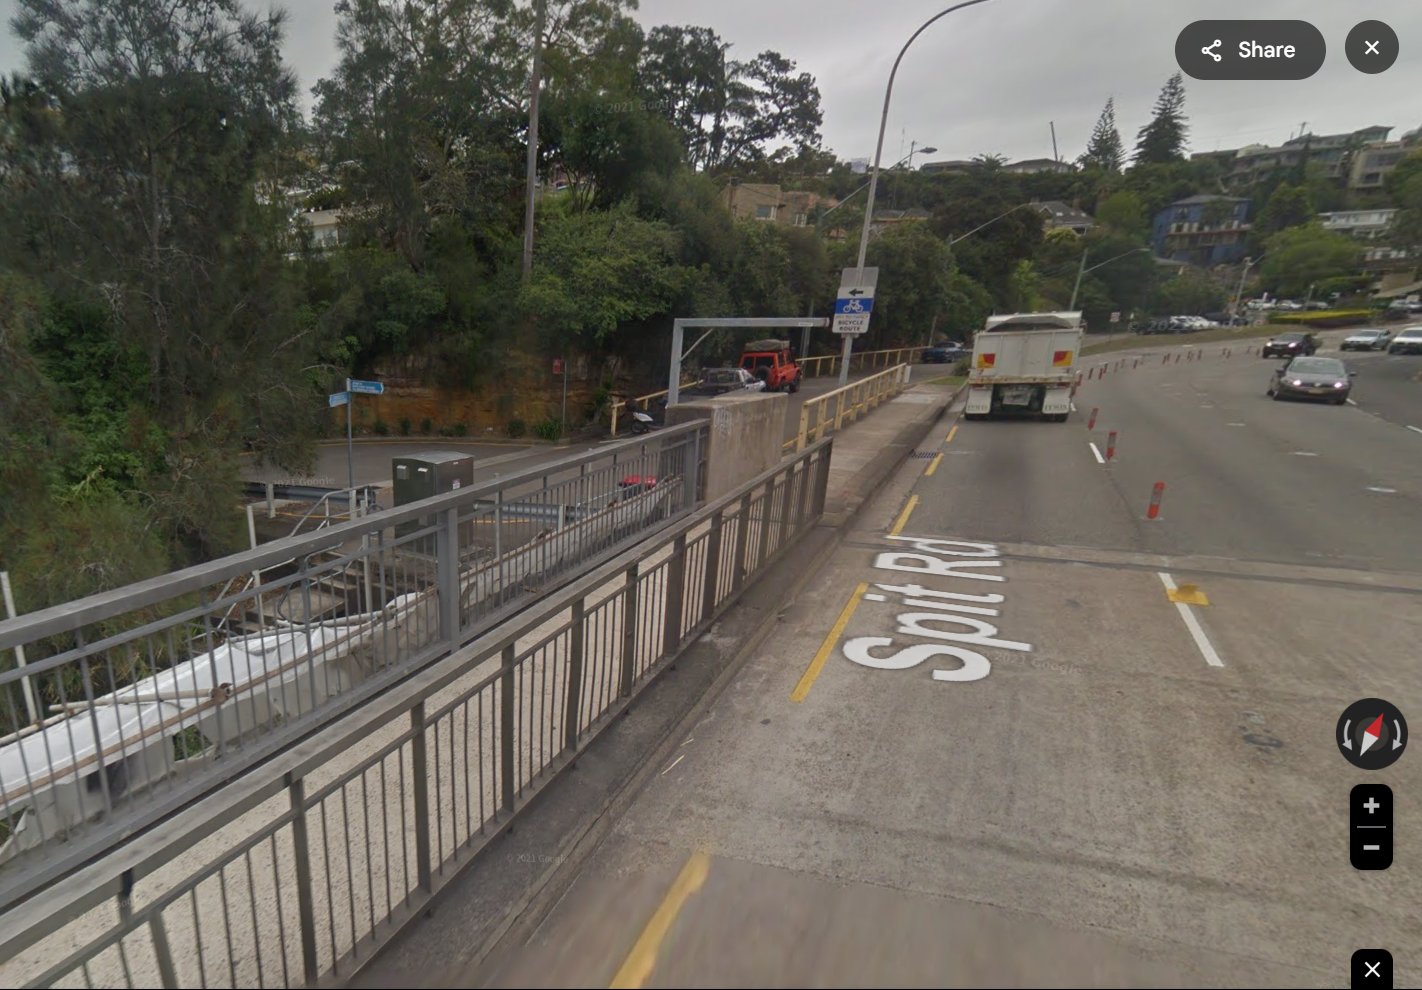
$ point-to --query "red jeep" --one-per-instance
(773, 363)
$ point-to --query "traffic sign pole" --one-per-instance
(350, 441)
(852, 309)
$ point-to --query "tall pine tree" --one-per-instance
(1163, 139)
(1104, 150)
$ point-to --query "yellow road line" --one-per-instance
(812, 672)
(933, 465)
(951, 433)
(643, 958)
(902, 521)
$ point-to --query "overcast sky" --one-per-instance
(991, 78)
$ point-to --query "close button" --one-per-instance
(1372, 47)
(1250, 49)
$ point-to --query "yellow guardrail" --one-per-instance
(830, 412)
(828, 364)
(823, 366)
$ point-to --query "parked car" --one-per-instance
(1366, 340)
(1318, 304)
(719, 381)
(945, 353)
(1408, 341)
(773, 362)
(1288, 305)
(1289, 345)
(1312, 378)
(1226, 320)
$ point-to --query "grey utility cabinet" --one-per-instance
(421, 476)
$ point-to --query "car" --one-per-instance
(773, 362)
(1312, 378)
(1408, 341)
(945, 353)
(1226, 320)
(1289, 345)
(1289, 306)
(1366, 340)
(719, 381)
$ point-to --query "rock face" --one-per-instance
(525, 390)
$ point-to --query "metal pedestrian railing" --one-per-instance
(156, 694)
(831, 412)
(298, 871)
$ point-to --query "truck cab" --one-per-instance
(1025, 363)
(774, 363)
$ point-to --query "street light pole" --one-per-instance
(1080, 271)
(531, 166)
(878, 156)
(1239, 292)
(1083, 270)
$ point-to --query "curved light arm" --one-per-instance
(884, 121)
(1123, 254)
(995, 219)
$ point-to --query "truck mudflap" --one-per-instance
(1057, 401)
(979, 400)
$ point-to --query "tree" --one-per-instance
(1189, 292)
(987, 198)
(130, 195)
(423, 114)
(1022, 287)
(1289, 206)
(731, 114)
(1162, 139)
(1299, 256)
(1159, 185)
(1124, 212)
(595, 273)
(966, 307)
(1404, 185)
(1104, 150)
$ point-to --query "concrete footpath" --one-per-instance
(499, 901)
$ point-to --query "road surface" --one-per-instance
(1080, 777)
(492, 460)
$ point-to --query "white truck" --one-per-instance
(1025, 363)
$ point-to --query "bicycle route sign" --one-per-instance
(855, 301)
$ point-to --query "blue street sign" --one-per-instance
(853, 305)
(337, 399)
(366, 388)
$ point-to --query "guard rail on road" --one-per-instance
(827, 413)
(296, 873)
(812, 367)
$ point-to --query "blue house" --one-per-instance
(1202, 230)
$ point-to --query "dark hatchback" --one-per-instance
(944, 353)
(1312, 378)
(1289, 345)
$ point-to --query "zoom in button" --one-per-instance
(1250, 49)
